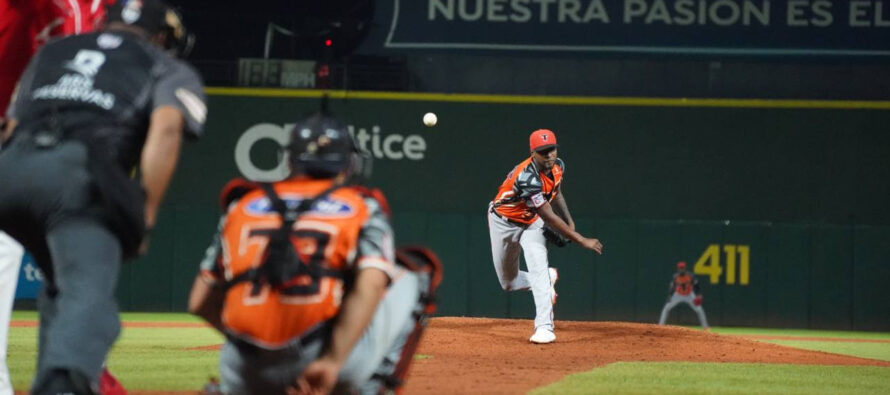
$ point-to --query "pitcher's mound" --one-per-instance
(467, 355)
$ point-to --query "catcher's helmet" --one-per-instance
(155, 17)
(321, 147)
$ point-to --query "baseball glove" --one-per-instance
(697, 300)
(555, 238)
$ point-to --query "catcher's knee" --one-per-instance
(380, 385)
(425, 263)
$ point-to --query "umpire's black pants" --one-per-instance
(44, 194)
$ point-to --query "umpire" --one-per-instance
(89, 110)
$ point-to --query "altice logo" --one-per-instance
(380, 146)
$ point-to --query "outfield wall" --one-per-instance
(793, 191)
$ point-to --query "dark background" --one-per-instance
(227, 31)
(804, 186)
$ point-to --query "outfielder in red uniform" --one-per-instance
(516, 220)
(684, 289)
(303, 279)
(25, 25)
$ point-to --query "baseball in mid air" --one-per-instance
(430, 119)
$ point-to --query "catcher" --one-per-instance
(684, 289)
(304, 282)
(528, 210)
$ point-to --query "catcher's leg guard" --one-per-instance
(424, 262)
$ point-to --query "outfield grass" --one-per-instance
(161, 359)
(155, 358)
(880, 351)
(140, 317)
(803, 333)
(142, 358)
(723, 378)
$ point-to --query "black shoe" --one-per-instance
(64, 382)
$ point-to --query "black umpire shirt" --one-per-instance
(103, 87)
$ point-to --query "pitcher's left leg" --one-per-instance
(534, 249)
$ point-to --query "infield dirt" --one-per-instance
(470, 354)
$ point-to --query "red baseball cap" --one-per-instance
(681, 265)
(542, 139)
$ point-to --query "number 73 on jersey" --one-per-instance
(736, 255)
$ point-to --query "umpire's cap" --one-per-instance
(321, 147)
(154, 16)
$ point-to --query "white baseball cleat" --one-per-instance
(554, 275)
(543, 336)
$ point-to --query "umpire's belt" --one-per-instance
(247, 347)
(514, 222)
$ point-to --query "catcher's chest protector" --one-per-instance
(324, 238)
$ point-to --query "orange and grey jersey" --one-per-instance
(684, 283)
(345, 232)
(526, 189)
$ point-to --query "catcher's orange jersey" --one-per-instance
(683, 283)
(526, 188)
(329, 236)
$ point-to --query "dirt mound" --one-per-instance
(469, 354)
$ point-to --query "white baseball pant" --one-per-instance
(677, 299)
(506, 240)
(10, 260)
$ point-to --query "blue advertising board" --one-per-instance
(717, 27)
(30, 279)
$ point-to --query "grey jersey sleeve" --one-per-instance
(376, 248)
(22, 89)
(180, 86)
(210, 268)
(528, 187)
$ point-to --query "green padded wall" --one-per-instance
(802, 190)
